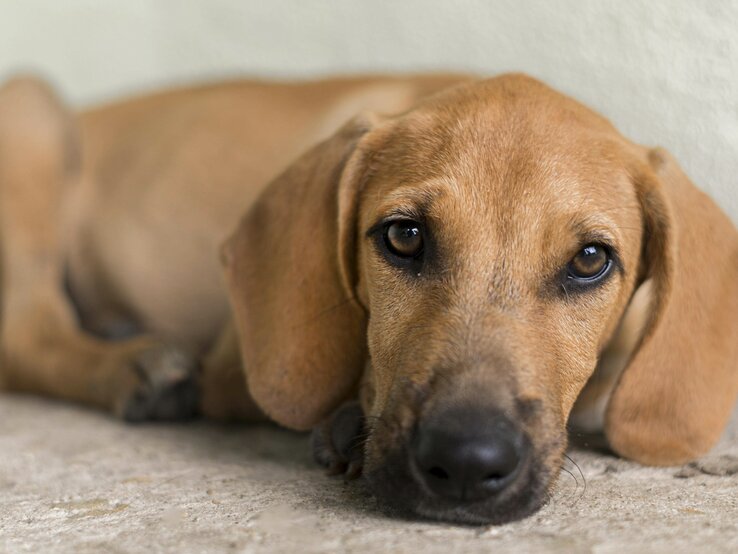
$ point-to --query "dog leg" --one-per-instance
(42, 349)
(224, 393)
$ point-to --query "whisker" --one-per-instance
(566, 292)
(379, 419)
(567, 497)
(584, 479)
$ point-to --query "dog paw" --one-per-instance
(338, 443)
(164, 387)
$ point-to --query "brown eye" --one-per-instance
(591, 262)
(404, 239)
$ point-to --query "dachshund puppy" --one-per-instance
(438, 286)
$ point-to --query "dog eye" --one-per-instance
(404, 239)
(591, 262)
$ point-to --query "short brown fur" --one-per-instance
(124, 209)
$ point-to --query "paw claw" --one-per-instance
(353, 471)
(335, 468)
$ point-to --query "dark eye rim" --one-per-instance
(600, 275)
(408, 223)
(378, 233)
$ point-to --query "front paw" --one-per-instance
(338, 442)
(163, 386)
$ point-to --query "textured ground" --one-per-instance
(77, 481)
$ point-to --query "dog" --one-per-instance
(436, 273)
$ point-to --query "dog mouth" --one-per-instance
(401, 487)
(466, 466)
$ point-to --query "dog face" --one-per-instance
(468, 262)
(497, 246)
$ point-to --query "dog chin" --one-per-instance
(397, 489)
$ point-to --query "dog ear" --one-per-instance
(289, 271)
(677, 392)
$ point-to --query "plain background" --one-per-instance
(664, 71)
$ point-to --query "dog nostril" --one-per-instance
(438, 472)
(470, 463)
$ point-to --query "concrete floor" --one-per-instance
(77, 481)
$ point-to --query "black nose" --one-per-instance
(468, 455)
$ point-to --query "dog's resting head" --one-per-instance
(462, 267)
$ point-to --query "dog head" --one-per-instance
(462, 267)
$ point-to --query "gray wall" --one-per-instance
(664, 71)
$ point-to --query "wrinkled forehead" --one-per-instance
(515, 167)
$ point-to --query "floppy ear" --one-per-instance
(289, 272)
(677, 392)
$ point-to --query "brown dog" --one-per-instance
(474, 270)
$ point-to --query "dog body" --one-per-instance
(124, 174)
(214, 150)
(477, 264)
